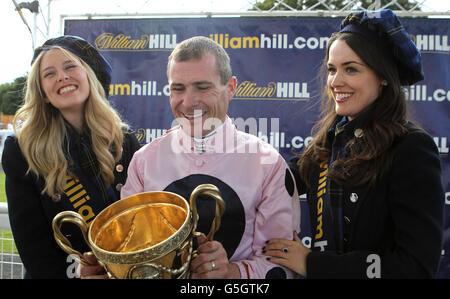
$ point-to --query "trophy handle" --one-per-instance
(212, 191)
(61, 240)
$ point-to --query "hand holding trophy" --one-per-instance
(146, 235)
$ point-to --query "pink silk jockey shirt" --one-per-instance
(254, 180)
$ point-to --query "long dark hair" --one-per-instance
(369, 157)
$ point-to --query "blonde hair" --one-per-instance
(41, 131)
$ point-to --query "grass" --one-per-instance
(6, 239)
(7, 244)
(2, 187)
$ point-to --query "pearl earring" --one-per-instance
(384, 83)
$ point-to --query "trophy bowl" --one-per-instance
(146, 235)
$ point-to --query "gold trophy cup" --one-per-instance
(146, 235)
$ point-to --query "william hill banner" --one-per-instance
(276, 62)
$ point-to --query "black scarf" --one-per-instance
(84, 165)
(329, 202)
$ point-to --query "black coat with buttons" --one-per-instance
(31, 213)
(392, 230)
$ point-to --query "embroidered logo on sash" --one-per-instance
(321, 191)
(79, 198)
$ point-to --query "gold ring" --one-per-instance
(213, 265)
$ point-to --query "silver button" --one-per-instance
(358, 133)
(353, 197)
(119, 167)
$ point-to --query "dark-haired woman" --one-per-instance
(372, 177)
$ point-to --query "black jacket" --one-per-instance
(31, 213)
(398, 223)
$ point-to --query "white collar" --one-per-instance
(206, 144)
(200, 144)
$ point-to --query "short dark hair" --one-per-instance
(195, 47)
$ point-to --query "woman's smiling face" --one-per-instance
(64, 82)
(352, 83)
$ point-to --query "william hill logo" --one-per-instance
(296, 91)
(147, 42)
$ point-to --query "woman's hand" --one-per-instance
(288, 253)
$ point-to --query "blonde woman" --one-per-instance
(70, 152)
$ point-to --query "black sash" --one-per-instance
(328, 230)
(84, 187)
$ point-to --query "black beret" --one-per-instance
(83, 50)
(373, 23)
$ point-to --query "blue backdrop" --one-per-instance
(276, 61)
